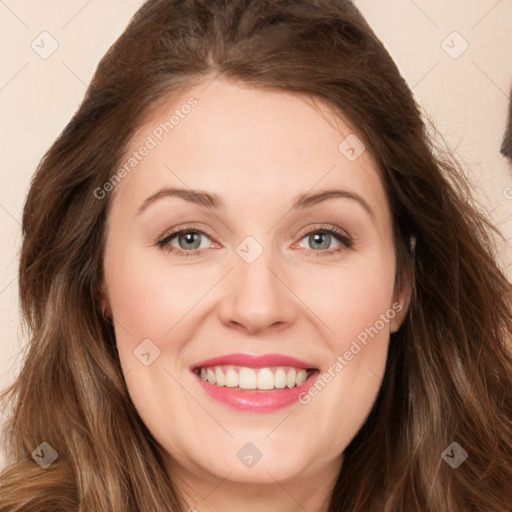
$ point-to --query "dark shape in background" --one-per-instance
(506, 146)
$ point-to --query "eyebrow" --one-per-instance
(209, 200)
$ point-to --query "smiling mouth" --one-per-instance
(247, 378)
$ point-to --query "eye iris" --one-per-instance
(318, 240)
(188, 237)
(315, 238)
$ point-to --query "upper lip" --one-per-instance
(254, 361)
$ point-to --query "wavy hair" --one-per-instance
(449, 371)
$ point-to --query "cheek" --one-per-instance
(353, 299)
(357, 306)
(148, 297)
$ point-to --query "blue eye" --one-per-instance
(323, 237)
(186, 237)
(189, 241)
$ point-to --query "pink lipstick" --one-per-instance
(255, 383)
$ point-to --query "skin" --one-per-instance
(257, 150)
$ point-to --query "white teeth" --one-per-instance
(254, 378)
(220, 379)
(280, 378)
(265, 379)
(290, 378)
(231, 379)
(247, 378)
(301, 377)
(212, 378)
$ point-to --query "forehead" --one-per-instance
(249, 145)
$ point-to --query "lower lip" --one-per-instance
(257, 400)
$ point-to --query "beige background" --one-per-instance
(465, 92)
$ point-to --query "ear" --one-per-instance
(401, 301)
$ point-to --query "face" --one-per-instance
(225, 302)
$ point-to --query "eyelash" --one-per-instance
(341, 236)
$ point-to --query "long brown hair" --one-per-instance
(449, 372)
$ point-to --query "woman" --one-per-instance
(254, 369)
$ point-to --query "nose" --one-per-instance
(257, 297)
